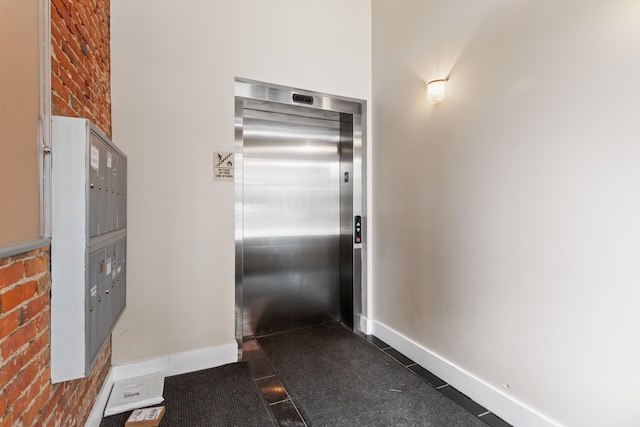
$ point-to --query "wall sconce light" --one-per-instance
(436, 90)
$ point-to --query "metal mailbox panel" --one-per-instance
(122, 199)
(108, 180)
(121, 281)
(107, 185)
(105, 177)
(96, 185)
(93, 341)
(110, 281)
(102, 302)
(114, 192)
(88, 200)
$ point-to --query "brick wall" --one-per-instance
(28, 398)
(24, 336)
(81, 61)
(80, 82)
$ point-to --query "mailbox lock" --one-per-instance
(107, 291)
(99, 299)
(92, 185)
(91, 308)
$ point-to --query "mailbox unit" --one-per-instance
(88, 244)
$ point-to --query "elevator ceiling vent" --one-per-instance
(303, 99)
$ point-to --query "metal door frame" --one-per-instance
(353, 114)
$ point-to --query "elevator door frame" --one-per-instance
(352, 112)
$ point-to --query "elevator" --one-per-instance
(299, 209)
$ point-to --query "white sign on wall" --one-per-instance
(223, 166)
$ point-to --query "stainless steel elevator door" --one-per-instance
(291, 223)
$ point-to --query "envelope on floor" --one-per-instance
(147, 417)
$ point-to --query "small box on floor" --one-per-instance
(147, 417)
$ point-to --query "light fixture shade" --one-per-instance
(436, 90)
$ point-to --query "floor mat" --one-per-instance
(222, 396)
(337, 379)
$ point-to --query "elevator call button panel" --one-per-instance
(358, 229)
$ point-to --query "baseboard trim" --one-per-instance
(175, 364)
(365, 324)
(509, 409)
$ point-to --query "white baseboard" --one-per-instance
(174, 364)
(365, 324)
(509, 409)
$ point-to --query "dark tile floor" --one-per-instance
(270, 386)
(288, 415)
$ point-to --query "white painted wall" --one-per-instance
(508, 217)
(173, 69)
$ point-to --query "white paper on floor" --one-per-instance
(134, 393)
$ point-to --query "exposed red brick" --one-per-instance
(46, 374)
(59, 88)
(42, 321)
(61, 107)
(9, 370)
(8, 324)
(33, 413)
(60, 10)
(20, 404)
(36, 346)
(44, 284)
(3, 403)
(16, 296)
(68, 51)
(55, 31)
(36, 266)
(18, 339)
(7, 419)
(69, 388)
(11, 274)
(20, 382)
(80, 59)
(48, 410)
(34, 307)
